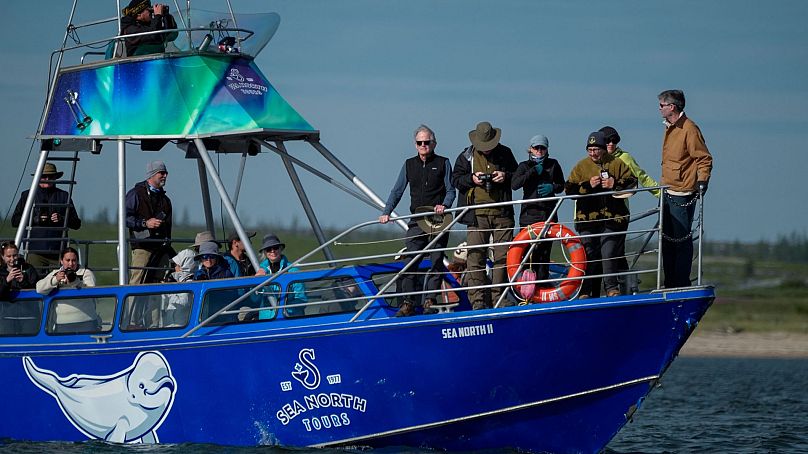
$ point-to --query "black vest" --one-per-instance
(426, 180)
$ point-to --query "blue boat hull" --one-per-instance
(558, 377)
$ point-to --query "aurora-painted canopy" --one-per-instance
(172, 96)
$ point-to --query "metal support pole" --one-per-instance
(239, 179)
(354, 179)
(659, 253)
(205, 190)
(228, 204)
(29, 203)
(304, 200)
(123, 242)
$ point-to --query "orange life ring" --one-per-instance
(575, 250)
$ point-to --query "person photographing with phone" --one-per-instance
(140, 17)
(148, 217)
(15, 274)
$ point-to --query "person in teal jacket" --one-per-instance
(629, 283)
(274, 261)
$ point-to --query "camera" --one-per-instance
(70, 275)
(487, 179)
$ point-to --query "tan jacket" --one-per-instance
(685, 157)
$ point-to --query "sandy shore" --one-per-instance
(743, 344)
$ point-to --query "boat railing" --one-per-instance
(643, 234)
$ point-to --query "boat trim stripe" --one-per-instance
(487, 413)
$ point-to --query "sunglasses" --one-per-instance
(273, 248)
(423, 142)
(661, 105)
(538, 147)
(208, 257)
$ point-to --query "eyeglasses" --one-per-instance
(661, 105)
(208, 257)
(422, 143)
(594, 150)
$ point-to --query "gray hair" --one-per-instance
(425, 128)
(675, 97)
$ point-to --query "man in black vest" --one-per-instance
(428, 176)
(148, 217)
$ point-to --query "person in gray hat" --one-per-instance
(236, 256)
(148, 217)
(211, 263)
(600, 172)
(429, 178)
(482, 174)
(274, 261)
(538, 176)
(52, 214)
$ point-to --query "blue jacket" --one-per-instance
(295, 295)
(219, 271)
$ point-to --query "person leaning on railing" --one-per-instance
(72, 315)
(140, 17)
(600, 172)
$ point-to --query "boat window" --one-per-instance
(216, 299)
(381, 279)
(156, 311)
(20, 317)
(317, 296)
(81, 315)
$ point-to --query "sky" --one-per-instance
(366, 73)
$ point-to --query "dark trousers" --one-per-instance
(602, 256)
(416, 241)
(539, 260)
(677, 243)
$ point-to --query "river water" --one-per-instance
(715, 405)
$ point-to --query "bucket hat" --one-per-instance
(433, 223)
(203, 237)
(485, 137)
(208, 248)
(269, 241)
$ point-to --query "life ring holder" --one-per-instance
(575, 253)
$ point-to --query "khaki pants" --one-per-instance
(499, 229)
(140, 259)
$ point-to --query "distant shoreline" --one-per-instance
(745, 344)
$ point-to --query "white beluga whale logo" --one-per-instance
(125, 407)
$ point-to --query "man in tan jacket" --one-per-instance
(686, 166)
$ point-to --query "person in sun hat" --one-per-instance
(596, 173)
(52, 214)
(429, 177)
(212, 264)
(482, 174)
(274, 261)
(149, 219)
(538, 176)
(140, 17)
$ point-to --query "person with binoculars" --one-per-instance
(141, 17)
(482, 174)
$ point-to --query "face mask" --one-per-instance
(536, 159)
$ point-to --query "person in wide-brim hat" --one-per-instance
(485, 137)
(434, 223)
(51, 172)
(271, 241)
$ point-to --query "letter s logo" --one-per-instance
(305, 371)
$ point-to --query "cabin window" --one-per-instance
(319, 295)
(381, 279)
(20, 317)
(265, 297)
(81, 315)
(156, 311)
